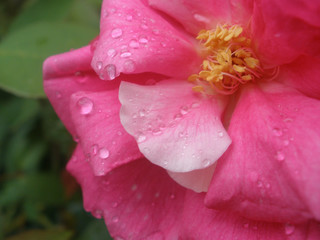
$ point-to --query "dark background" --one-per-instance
(38, 198)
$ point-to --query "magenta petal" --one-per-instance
(140, 201)
(104, 141)
(135, 39)
(67, 73)
(174, 127)
(303, 75)
(204, 14)
(272, 170)
(283, 30)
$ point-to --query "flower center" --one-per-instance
(229, 61)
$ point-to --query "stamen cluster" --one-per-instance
(229, 60)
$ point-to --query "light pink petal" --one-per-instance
(140, 201)
(205, 14)
(196, 180)
(136, 39)
(272, 170)
(283, 30)
(303, 74)
(104, 141)
(67, 73)
(175, 128)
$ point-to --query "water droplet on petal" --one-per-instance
(116, 33)
(156, 131)
(177, 116)
(104, 153)
(129, 66)
(110, 71)
(99, 65)
(172, 196)
(85, 105)
(286, 143)
(156, 31)
(94, 149)
(184, 110)
(220, 134)
(134, 43)
(144, 26)
(277, 132)
(125, 54)
(115, 204)
(289, 229)
(143, 40)
(129, 18)
(115, 219)
(112, 52)
(58, 94)
(141, 137)
(97, 214)
(205, 162)
(246, 225)
(134, 187)
(280, 156)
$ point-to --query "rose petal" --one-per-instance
(272, 170)
(303, 74)
(283, 30)
(140, 201)
(135, 39)
(175, 128)
(197, 180)
(205, 14)
(67, 73)
(104, 141)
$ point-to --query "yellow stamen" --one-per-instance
(230, 60)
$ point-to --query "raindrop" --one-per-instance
(156, 31)
(142, 113)
(286, 143)
(156, 131)
(134, 43)
(115, 204)
(144, 26)
(141, 138)
(110, 70)
(125, 54)
(129, 18)
(115, 219)
(157, 194)
(134, 115)
(184, 110)
(112, 52)
(220, 134)
(246, 225)
(99, 65)
(116, 33)
(280, 156)
(277, 132)
(58, 94)
(97, 214)
(195, 105)
(163, 44)
(205, 162)
(119, 133)
(259, 184)
(85, 105)
(94, 149)
(177, 116)
(172, 196)
(143, 40)
(289, 229)
(201, 18)
(134, 187)
(129, 66)
(104, 153)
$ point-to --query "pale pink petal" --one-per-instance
(205, 14)
(283, 30)
(272, 170)
(140, 201)
(303, 74)
(135, 39)
(103, 140)
(67, 73)
(175, 128)
(196, 180)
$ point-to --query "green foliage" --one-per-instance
(37, 200)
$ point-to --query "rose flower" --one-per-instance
(196, 119)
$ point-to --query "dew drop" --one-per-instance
(289, 229)
(246, 225)
(201, 18)
(177, 116)
(115, 204)
(142, 113)
(119, 133)
(129, 66)
(110, 71)
(116, 33)
(134, 44)
(58, 94)
(112, 52)
(115, 219)
(286, 143)
(184, 110)
(99, 65)
(163, 44)
(97, 214)
(280, 156)
(156, 132)
(144, 26)
(104, 153)
(134, 187)
(94, 149)
(277, 132)
(195, 105)
(220, 134)
(141, 137)
(205, 162)
(129, 18)
(156, 31)
(125, 54)
(260, 184)
(143, 40)
(85, 105)
(172, 196)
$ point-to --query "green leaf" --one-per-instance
(50, 234)
(41, 10)
(96, 230)
(23, 52)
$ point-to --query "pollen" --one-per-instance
(229, 61)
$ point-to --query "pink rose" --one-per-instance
(189, 134)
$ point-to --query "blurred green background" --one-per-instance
(38, 198)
